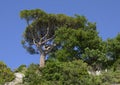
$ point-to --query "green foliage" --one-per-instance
(80, 44)
(6, 74)
(60, 73)
(88, 46)
(95, 58)
(67, 73)
(110, 77)
(113, 51)
(29, 15)
(116, 65)
(21, 68)
(32, 75)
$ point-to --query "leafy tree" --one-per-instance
(80, 44)
(40, 31)
(6, 74)
(70, 43)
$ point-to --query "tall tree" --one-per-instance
(39, 34)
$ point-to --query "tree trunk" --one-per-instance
(42, 59)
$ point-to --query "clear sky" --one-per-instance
(106, 13)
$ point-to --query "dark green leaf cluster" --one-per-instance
(6, 75)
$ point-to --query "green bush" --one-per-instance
(21, 68)
(6, 74)
(60, 73)
(111, 77)
(32, 75)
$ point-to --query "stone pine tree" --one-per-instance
(39, 33)
(38, 37)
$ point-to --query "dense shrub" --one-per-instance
(60, 73)
(32, 75)
(6, 74)
(111, 77)
(21, 68)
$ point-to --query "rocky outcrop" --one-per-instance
(18, 79)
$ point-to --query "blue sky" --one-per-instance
(105, 13)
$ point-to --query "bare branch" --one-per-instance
(38, 46)
(35, 42)
(45, 34)
(47, 40)
(42, 42)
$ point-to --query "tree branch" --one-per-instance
(42, 42)
(50, 48)
(38, 46)
(45, 34)
(46, 40)
(35, 42)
